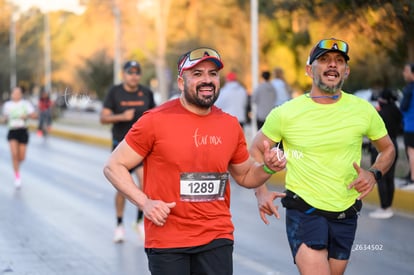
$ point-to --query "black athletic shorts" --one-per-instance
(215, 257)
(409, 139)
(21, 135)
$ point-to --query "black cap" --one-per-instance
(328, 45)
(132, 64)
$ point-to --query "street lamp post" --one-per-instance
(13, 70)
(254, 10)
(47, 55)
(117, 55)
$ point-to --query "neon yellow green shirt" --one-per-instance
(321, 141)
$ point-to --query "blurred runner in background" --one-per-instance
(17, 111)
(124, 104)
(233, 98)
(407, 109)
(392, 117)
(283, 93)
(45, 114)
(264, 97)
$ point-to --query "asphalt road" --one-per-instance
(62, 220)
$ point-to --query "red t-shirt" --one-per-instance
(175, 141)
(44, 104)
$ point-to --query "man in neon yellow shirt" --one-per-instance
(322, 133)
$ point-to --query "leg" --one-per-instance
(139, 224)
(48, 122)
(41, 121)
(14, 150)
(119, 207)
(119, 234)
(18, 140)
(408, 176)
(410, 151)
(341, 239)
(386, 188)
(337, 266)
(312, 261)
(49, 118)
(22, 148)
(40, 127)
(389, 186)
(119, 198)
(320, 245)
(308, 241)
(140, 176)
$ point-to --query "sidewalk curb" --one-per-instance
(105, 142)
(65, 134)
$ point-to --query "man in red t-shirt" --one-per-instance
(189, 148)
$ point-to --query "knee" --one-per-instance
(119, 197)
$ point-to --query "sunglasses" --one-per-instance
(333, 44)
(188, 59)
(201, 52)
(132, 72)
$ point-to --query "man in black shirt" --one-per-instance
(124, 104)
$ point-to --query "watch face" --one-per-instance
(377, 173)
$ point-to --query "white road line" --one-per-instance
(257, 267)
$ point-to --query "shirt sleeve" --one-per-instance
(29, 107)
(272, 125)
(141, 135)
(6, 109)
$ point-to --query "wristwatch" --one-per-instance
(377, 173)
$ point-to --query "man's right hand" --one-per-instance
(157, 211)
(129, 114)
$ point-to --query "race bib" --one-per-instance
(17, 123)
(200, 187)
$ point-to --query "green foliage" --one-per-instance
(379, 33)
(96, 74)
(4, 69)
(5, 18)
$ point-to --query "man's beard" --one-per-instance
(201, 101)
(329, 89)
